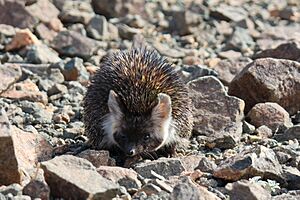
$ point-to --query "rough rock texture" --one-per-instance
(269, 80)
(221, 124)
(269, 114)
(97, 158)
(244, 190)
(79, 176)
(290, 134)
(255, 161)
(9, 74)
(22, 38)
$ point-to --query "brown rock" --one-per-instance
(37, 189)
(245, 190)
(45, 33)
(21, 39)
(270, 114)
(281, 32)
(14, 161)
(264, 132)
(269, 80)
(227, 69)
(221, 124)
(26, 90)
(289, 51)
(14, 13)
(250, 162)
(125, 177)
(9, 74)
(79, 176)
(97, 158)
(190, 162)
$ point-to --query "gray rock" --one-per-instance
(206, 165)
(292, 177)
(250, 162)
(97, 28)
(290, 195)
(165, 50)
(127, 32)
(221, 124)
(97, 157)
(163, 166)
(248, 128)
(79, 28)
(240, 40)
(57, 89)
(70, 43)
(229, 13)
(40, 54)
(192, 72)
(78, 175)
(15, 189)
(244, 190)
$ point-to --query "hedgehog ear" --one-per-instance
(113, 104)
(163, 109)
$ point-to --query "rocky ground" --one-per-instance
(240, 60)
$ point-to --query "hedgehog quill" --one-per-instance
(137, 104)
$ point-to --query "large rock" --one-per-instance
(269, 114)
(9, 74)
(269, 80)
(14, 160)
(70, 43)
(244, 190)
(163, 166)
(250, 162)
(43, 10)
(13, 12)
(216, 115)
(79, 176)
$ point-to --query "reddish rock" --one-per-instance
(269, 80)
(37, 189)
(222, 125)
(22, 38)
(14, 161)
(26, 90)
(79, 176)
(270, 114)
(9, 74)
(97, 158)
(190, 162)
(250, 162)
(13, 12)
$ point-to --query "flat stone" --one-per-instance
(250, 162)
(270, 114)
(38, 10)
(44, 32)
(163, 166)
(165, 50)
(26, 90)
(290, 134)
(269, 80)
(9, 74)
(229, 13)
(125, 177)
(221, 124)
(41, 54)
(70, 43)
(244, 190)
(79, 176)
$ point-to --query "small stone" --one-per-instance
(165, 50)
(244, 190)
(79, 28)
(163, 166)
(23, 37)
(38, 54)
(290, 195)
(37, 189)
(125, 177)
(290, 134)
(57, 89)
(97, 28)
(222, 125)
(264, 132)
(74, 70)
(98, 157)
(240, 40)
(248, 128)
(190, 163)
(79, 176)
(7, 30)
(14, 189)
(292, 176)
(207, 165)
(150, 189)
(262, 81)
(192, 72)
(229, 13)
(9, 74)
(250, 162)
(230, 54)
(127, 32)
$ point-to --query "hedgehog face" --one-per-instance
(139, 134)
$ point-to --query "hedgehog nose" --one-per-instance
(131, 152)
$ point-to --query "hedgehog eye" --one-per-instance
(147, 137)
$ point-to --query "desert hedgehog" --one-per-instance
(136, 103)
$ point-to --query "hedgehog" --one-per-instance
(137, 104)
